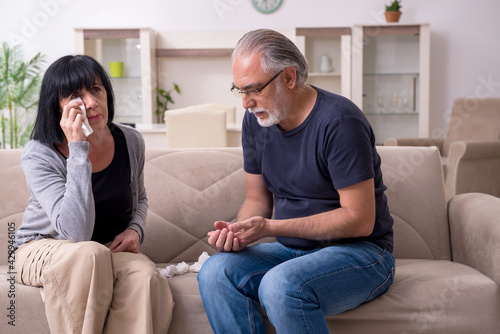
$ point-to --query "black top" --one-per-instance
(112, 193)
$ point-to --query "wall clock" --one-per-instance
(266, 6)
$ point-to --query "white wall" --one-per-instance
(465, 42)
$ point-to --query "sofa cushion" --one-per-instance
(29, 313)
(188, 190)
(473, 119)
(428, 296)
(14, 196)
(189, 314)
(416, 198)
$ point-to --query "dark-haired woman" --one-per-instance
(80, 235)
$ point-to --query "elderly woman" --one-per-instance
(80, 235)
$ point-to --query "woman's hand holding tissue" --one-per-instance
(71, 122)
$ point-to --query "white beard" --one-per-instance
(278, 114)
(270, 120)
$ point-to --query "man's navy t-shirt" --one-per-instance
(332, 149)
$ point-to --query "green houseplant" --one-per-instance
(393, 11)
(164, 98)
(19, 88)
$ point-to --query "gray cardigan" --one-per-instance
(61, 204)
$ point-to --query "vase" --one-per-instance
(325, 64)
(392, 16)
(116, 69)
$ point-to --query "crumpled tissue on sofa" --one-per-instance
(182, 268)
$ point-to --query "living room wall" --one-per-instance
(465, 52)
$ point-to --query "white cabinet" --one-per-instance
(390, 78)
(135, 89)
(199, 62)
(328, 52)
(384, 69)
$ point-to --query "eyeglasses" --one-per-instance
(239, 93)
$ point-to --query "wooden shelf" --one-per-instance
(406, 113)
(111, 33)
(321, 74)
(194, 52)
(323, 32)
(391, 29)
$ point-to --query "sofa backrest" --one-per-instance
(416, 197)
(190, 189)
(14, 197)
(473, 119)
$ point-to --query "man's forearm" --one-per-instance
(252, 208)
(355, 218)
(335, 224)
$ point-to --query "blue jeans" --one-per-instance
(297, 288)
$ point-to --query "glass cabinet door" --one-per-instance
(390, 80)
(327, 51)
(124, 54)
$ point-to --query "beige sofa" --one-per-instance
(448, 254)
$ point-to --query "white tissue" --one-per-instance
(87, 129)
(182, 268)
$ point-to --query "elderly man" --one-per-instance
(310, 155)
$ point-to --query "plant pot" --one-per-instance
(392, 16)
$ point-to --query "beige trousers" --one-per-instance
(88, 289)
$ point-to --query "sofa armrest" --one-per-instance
(473, 166)
(475, 232)
(438, 142)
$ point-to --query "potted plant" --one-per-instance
(164, 98)
(393, 11)
(19, 89)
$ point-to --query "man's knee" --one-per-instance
(277, 289)
(272, 288)
(210, 269)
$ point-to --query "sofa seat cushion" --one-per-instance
(188, 190)
(189, 314)
(428, 296)
(29, 313)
